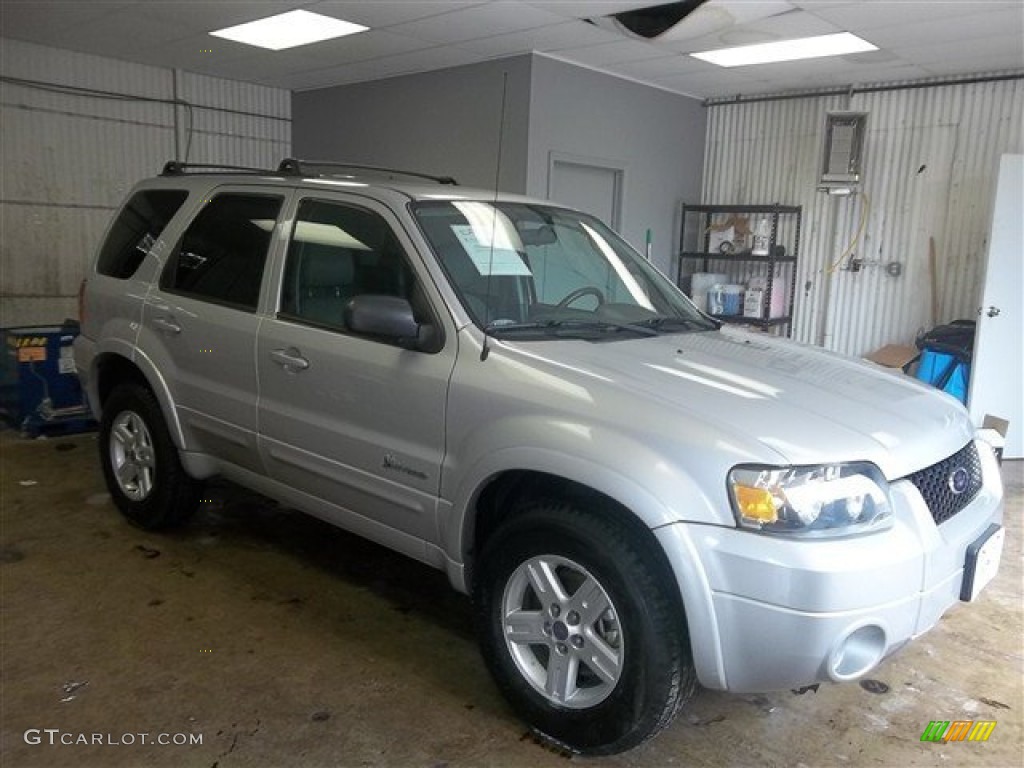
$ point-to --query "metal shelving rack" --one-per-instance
(778, 215)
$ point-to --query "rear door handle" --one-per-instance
(289, 359)
(167, 324)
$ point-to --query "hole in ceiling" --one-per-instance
(657, 19)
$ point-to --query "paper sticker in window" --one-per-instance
(489, 260)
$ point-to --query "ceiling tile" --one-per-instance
(208, 16)
(661, 67)
(612, 53)
(385, 13)
(126, 33)
(947, 37)
(879, 14)
(549, 38)
(961, 28)
(41, 19)
(783, 27)
(389, 66)
(588, 10)
(373, 44)
(480, 21)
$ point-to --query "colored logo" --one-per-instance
(958, 730)
(959, 479)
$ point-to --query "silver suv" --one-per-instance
(636, 498)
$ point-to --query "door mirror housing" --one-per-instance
(391, 319)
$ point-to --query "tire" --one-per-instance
(579, 630)
(140, 461)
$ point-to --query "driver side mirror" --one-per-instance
(391, 318)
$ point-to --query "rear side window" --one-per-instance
(222, 254)
(136, 229)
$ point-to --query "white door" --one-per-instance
(591, 188)
(997, 375)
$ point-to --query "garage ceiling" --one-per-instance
(915, 39)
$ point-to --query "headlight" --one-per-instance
(829, 500)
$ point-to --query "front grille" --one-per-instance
(936, 483)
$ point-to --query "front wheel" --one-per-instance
(579, 629)
(140, 461)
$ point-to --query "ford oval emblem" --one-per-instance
(959, 480)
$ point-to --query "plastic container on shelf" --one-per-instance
(762, 237)
(725, 299)
(701, 283)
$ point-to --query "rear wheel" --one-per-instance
(140, 462)
(579, 629)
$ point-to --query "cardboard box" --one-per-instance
(893, 355)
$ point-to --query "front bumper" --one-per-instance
(767, 612)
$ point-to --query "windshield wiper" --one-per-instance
(553, 326)
(664, 322)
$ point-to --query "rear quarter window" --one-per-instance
(136, 229)
(220, 257)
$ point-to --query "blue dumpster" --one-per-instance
(39, 387)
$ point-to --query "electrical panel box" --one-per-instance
(843, 149)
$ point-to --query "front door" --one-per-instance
(353, 420)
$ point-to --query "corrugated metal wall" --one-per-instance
(931, 156)
(68, 159)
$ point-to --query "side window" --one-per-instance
(222, 253)
(338, 252)
(136, 229)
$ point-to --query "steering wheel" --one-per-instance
(579, 293)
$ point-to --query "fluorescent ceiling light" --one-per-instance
(288, 30)
(787, 50)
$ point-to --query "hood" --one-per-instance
(806, 405)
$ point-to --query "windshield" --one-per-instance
(521, 269)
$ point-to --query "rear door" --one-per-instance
(353, 420)
(201, 320)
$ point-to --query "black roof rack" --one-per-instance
(294, 167)
(174, 168)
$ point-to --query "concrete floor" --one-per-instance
(284, 642)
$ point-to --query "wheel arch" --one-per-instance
(111, 368)
(683, 572)
(498, 496)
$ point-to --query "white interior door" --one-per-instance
(997, 375)
(588, 187)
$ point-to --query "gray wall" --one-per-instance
(656, 135)
(443, 122)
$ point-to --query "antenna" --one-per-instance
(486, 350)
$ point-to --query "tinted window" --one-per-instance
(222, 253)
(136, 229)
(338, 252)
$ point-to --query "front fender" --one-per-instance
(653, 488)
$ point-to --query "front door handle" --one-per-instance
(289, 359)
(167, 324)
